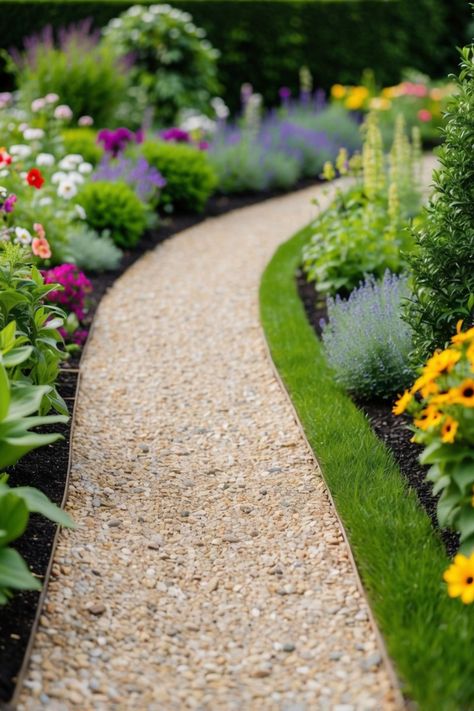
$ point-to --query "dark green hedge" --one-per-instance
(266, 42)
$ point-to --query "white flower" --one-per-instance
(80, 212)
(63, 111)
(66, 164)
(134, 11)
(74, 157)
(20, 151)
(22, 236)
(76, 177)
(33, 134)
(116, 22)
(147, 17)
(85, 121)
(37, 105)
(51, 98)
(46, 159)
(4, 173)
(4, 235)
(45, 201)
(85, 168)
(67, 189)
(58, 177)
(3, 191)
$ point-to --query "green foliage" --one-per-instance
(93, 252)
(399, 556)
(174, 63)
(364, 231)
(372, 362)
(335, 39)
(84, 142)
(86, 76)
(16, 504)
(22, 294)
(114, 209)
(190, 179)
(443, 266)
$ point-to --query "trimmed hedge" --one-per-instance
(267, 41)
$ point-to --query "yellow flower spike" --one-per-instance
(402, 403)
(460, 578)
(338, 91)
(341, 161)
(449, 429)
(328, 171)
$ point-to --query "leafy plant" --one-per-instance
(441, 402)
(22, 302)
(90, 251)
(190, 179)
(173, 62)
(443, 265)
(114, 209)
(365, 231)
(16, 504)
(86, 74)
(365, 341)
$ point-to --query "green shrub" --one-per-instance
(190, 179)
(93, 252)
(365, 340)
(86, 76)
(84, 142)
(443, 266)
(174, 62)
(114, 209)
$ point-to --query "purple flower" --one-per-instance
(116, 141)
(9, 204)
(76, 287)
(145, 180)
(175, 134)
(284, 92)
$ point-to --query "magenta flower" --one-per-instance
(116, 141)
(9, 204)
(76, 287)
(284, 92)
(175, 134)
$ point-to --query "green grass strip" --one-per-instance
(400, 559)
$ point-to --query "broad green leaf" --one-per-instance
(37, 502)
(17, 356)
(13, 517)
(14, 572)
(7, 337)
(463, 474)
(13, 449)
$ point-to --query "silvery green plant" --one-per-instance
(365, 340)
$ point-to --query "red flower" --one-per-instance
(34, 178)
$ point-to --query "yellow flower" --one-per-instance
(447, 397)
(462, 336)
(402, 403)
(460, 578)
(430, 417)
(328, 171)
(356, 98)
(338, 91)
(441, 363)
(449, 429)
(380, 104)
(431, 388)
(464, 394)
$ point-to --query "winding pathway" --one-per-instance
(207, 571)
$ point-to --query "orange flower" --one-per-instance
(464, 394)
(402, 403)
(40, 248)
(449, 429)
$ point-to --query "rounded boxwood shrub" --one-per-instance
(84, 142)
(173, 61)
(190, 179)
(114, 209)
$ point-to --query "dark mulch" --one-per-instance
(47, 468)
(390, 429)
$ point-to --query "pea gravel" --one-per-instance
(207, 570)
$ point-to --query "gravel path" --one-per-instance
(207, 571)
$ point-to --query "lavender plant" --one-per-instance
(145, 180)
(365, 340)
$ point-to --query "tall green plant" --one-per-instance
(443, 266)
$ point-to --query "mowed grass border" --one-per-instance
(400, 558)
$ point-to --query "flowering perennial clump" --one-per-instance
(441, 402)
(72, 297)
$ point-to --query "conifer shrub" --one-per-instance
(443, 265)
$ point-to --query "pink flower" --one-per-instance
(9, 203)
(85, 121)
(424, 115)
(63, 112)
(39, 229)
(40, 248)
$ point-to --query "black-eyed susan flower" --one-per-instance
(441, 363)
(460, 578)
(402, 403)
(449, 429)
(464, 394)
(429, 417)
(462, 336)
